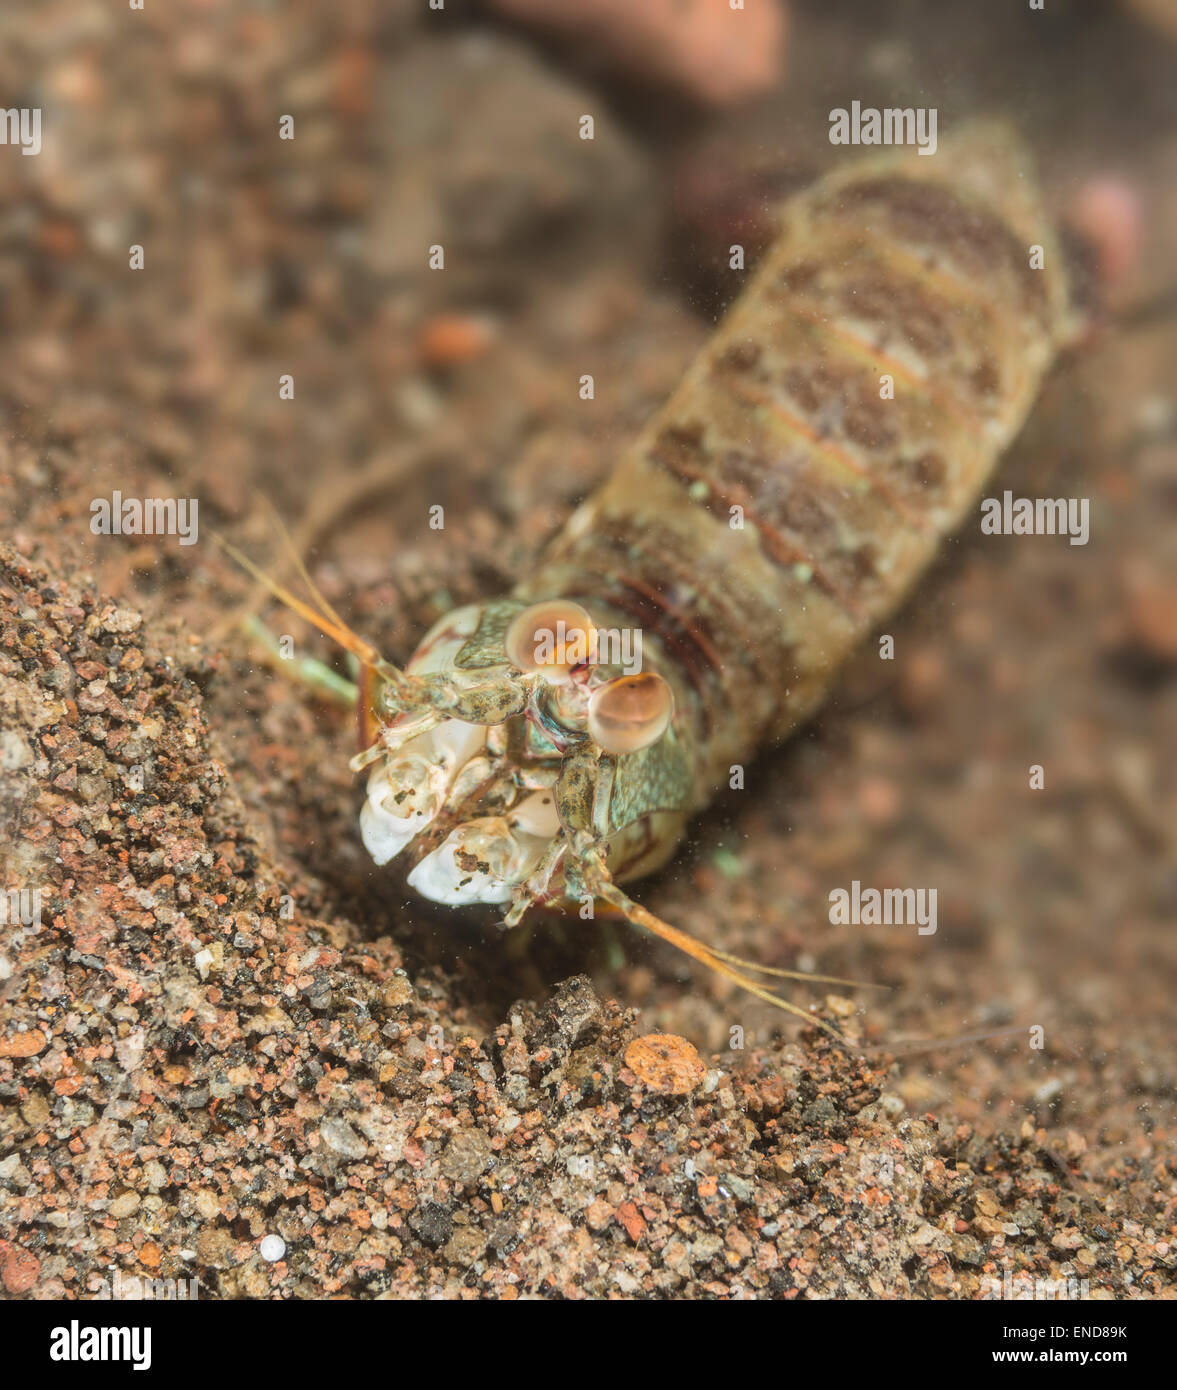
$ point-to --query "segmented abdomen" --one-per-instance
(910, 268)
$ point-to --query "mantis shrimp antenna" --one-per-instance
(600, 883)
(642, 917)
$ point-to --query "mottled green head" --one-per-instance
(514, 730)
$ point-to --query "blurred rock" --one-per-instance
(516, 180)
(713, 53)
(1161, 14)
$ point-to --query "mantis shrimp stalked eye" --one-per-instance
(630, 713)
(552, 639)
(552, 745)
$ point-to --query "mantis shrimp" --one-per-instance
(840, 423)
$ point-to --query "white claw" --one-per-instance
(439, 878)
(457, 742)
(407, 791)
(390, 817)
(479, 862)
(537, 815)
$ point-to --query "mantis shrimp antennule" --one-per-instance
(491, 702)
(300, 565)
(367, 723)
(330, 625)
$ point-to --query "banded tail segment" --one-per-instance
(915, 269)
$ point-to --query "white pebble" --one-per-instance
(272, 1248)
